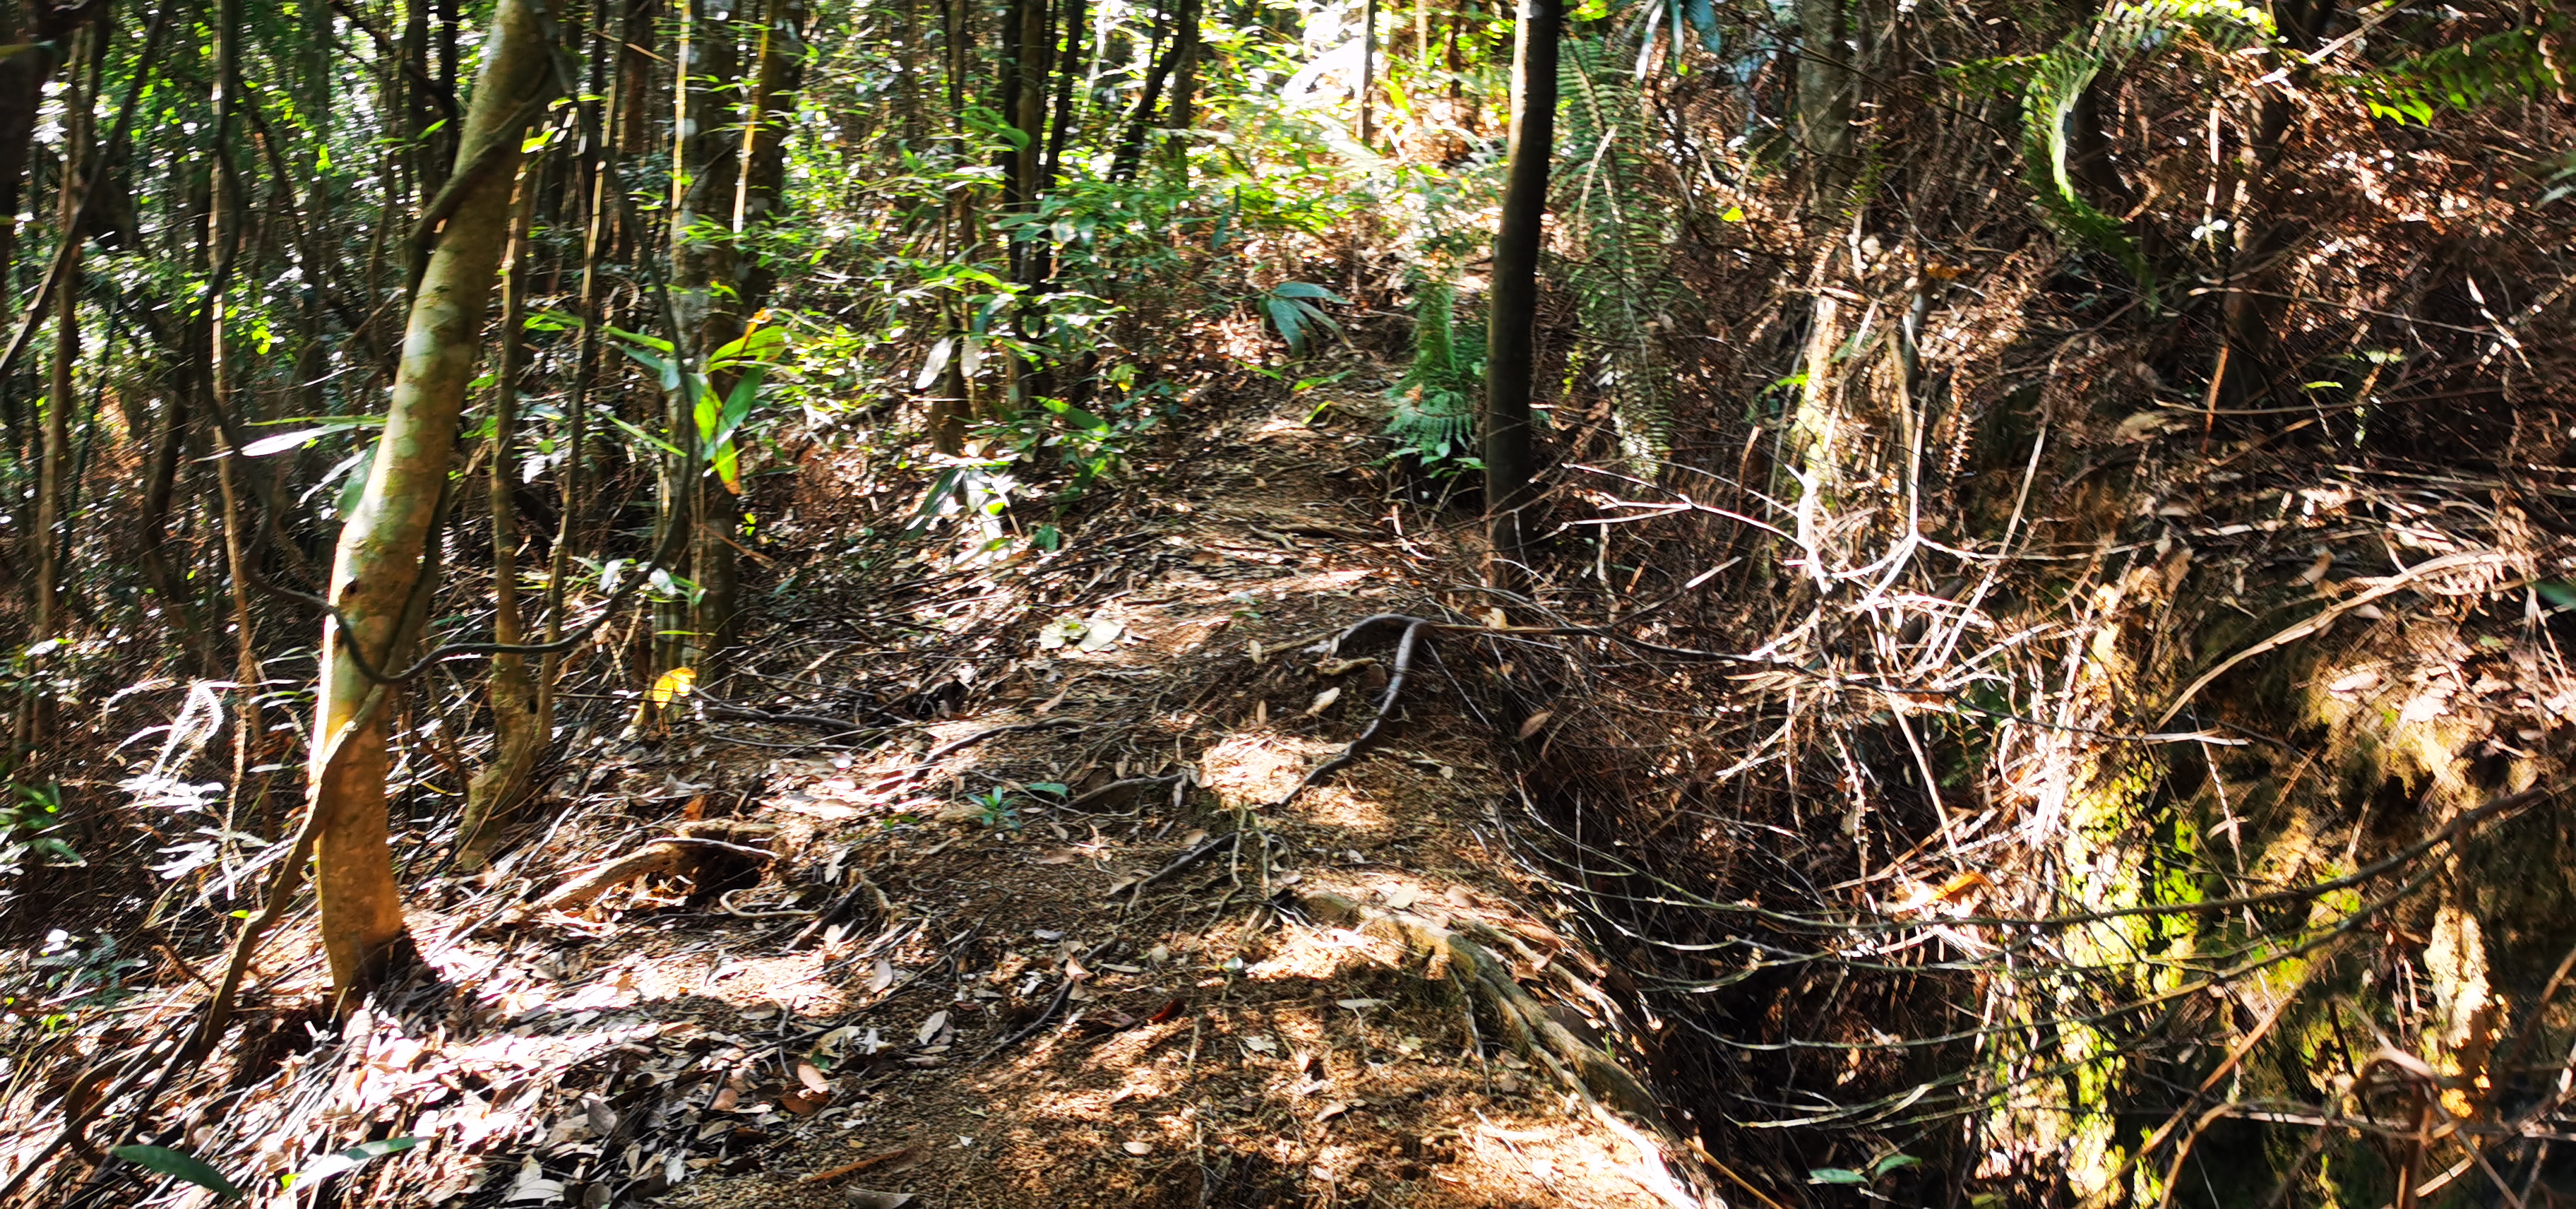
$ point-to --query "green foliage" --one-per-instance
(1434, 420)
(1618, 233)
(1295, 308)
(2469, 75)
(27, 821)
(2057, 81)
(179, 1166)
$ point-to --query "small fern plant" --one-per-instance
(1434, 421)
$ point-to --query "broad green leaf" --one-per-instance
(1837, 1175)
(179, 1166)
(1302, 289)
(727, 461)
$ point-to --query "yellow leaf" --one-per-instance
(673, 685)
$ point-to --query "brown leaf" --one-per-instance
(802, 1103)
(881, 977)
(1536, 722)
(812, 1079)
(726, 1098)
(870, 1198)
(1165, 1012)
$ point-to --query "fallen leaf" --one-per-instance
(1260, 1045)
(1359, 1005)
(1401, 897)
(870, 1198)
(1196, 836)
(1139, 1149)
(766, 1011)
(1165, 1012)
(2354, 682)
(1324, 701)
(1099, 633)
(533, 1185)
(1253, 649)
(1535, 723)
(1332, 1110)
(803, 1103)
(1059, 856)
(1260, 713)
(726, 1098)
(930, 1028)
(2317, 570)
(812, 1079)
(881, 977)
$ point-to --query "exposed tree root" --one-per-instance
(1414, 629)
(1487, 979)
(687, 852)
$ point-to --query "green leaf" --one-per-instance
(1893, 1162)
(648, 438)
(1054, 788)
(1289, 318)
(737, 406)
(1301, 289)
(347, 1160)
(661, 366)
(179, 1166)
(727, 461)
(1837, 1175)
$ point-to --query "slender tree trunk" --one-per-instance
(1182, 116)
(385, 540)
(706, 150)
(1510, 359)
(1131, 150)
(55, 441)
(519, 726)
(223, 223)
(1368, 71)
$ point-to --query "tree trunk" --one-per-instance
(386, 537)
(706, 163)
(1368, 71)
(1510, 361)
(1825, 55)
(1182, 115)
(520, 727)
(54, 443)
(1131, 150)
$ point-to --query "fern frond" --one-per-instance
(2057, 82)
(2511, 65)
(1435, 401)
(1618, 277)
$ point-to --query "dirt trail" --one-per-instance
(970, 998)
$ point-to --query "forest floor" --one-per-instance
(1003, 1011)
